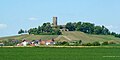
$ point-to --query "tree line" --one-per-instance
(45, 29)
(86, 27)
(90, 28)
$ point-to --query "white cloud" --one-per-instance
(3, 26)
(113, 28)
(110, 26)
(33, 18)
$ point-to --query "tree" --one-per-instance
(46, 27)
(80, 41)
(105, 43)
(70, 26)
(30, 31)
(78, 26)
(97, 30)
(87, 28)
(21, 31)
(117, 35)
(96, 44)
(113, 33)
(105, 31)
(60, 27)
(57, 32)
(39, 30)
(33, 31)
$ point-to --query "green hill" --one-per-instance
(30, 37)
(67, 36)
(75, 35)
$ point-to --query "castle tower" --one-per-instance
(54, 21)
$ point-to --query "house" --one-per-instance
(42, 42)
(1, 44)
(23, 43)
(50, 42)
(47, 42)
(36, 42)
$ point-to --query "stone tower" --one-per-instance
(54, 21)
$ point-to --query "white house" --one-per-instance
(24, 43)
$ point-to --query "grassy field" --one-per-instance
(30, 37)
(86, 38)
(45, 53)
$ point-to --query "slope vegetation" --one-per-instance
(67, 36)
(75, 35)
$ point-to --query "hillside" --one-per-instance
(75, 35)
(67, 36)
(30, 37)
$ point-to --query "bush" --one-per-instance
(65, 43)
(92, 44)
(80, 41)
(75, 43)
(11, 42)
(111, 42)
(96, 44)
(62, 43)
(105, 43)
(87, 44)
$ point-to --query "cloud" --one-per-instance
(113, 28)
(3, 26)
(110, 26)
(33, 18)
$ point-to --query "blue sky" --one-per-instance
(24, 14)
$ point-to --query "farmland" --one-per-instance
(63, 53)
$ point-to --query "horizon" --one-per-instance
(25, 14)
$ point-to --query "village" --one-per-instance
(36, 42)
(25, 42)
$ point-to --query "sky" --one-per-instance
(25, 14)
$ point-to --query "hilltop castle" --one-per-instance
(54, 21)
(55, 24)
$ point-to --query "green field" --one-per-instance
(45, 53)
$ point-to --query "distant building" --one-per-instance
(1, 44)
(64, 29)
(55, 25)
(47, 42)
(54, 21)
(24, 43)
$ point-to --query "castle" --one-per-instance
(55, 24)
(54, 21)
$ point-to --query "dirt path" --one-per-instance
(60, 36)
(67, 38)
(66, 46)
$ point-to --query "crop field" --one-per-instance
(50, 53)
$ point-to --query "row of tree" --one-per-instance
(79, 43)
(86, 27)
(90, 28)
(45, 29)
